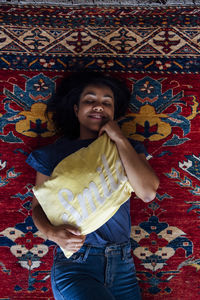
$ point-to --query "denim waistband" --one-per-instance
(110, 249)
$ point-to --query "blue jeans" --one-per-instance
(95, 273)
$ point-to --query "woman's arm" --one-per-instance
(140, 174)
(66, 236)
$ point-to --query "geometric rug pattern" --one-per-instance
(157, 52)
(131, 3)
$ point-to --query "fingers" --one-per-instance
(68, 237)
(70, 232)
(113, 131)
(104, 128)
(73, 242)
(73, 229)
(74, 247)
(76, 239)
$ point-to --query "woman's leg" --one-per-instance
(79, 278)
(120, 274)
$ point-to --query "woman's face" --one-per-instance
(96, 107)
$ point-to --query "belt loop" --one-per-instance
(86, 253)
(123, 252)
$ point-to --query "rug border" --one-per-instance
(100, 3)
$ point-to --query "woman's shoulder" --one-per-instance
(45, 158)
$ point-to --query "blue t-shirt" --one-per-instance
(44, 160)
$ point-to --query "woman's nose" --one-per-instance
(98, 108)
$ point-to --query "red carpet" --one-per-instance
(158, 53)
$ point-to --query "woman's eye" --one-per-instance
(88, 101)
(107, 103)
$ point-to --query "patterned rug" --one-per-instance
(157, 51)
(132, 3)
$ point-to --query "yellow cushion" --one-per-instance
(86, 188)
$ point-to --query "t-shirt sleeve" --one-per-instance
(139, 147)
(40, 160)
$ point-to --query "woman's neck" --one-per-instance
(88, 135)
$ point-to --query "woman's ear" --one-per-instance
(76, 109)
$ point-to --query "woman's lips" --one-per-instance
(96, 116)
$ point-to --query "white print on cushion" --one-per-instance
(92, 192)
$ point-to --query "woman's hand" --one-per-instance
(67, 237)
(113, 131)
